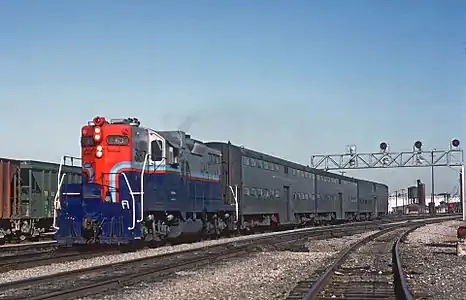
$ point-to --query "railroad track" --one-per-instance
(98, 279)
(18, 248)
(50, 256)
(368, 269)
(23, 256)
(89, 281)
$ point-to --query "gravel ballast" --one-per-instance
(269, 274)
(433, 269)
(108, 259)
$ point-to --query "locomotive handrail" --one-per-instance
(63, 162)
(56, 202)
(146, 158)
(134, 201)
(235, 196)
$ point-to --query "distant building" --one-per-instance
(401, 203)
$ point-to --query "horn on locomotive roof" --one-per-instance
(99, 121)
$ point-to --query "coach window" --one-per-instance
(259, 163)
(253, 162)
(260, 192)
(246, 191)
(266, 165)
(253, 192)
(285, 169)
(246, 160)
(266, 193)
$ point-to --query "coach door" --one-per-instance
(289, 204)
(341, 205)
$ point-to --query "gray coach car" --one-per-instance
(272, 191)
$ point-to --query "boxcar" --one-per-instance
(27, 191)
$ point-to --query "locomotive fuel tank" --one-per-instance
(187, 228)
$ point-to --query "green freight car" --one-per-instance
(27, 192)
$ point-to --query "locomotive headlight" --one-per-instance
(170, 217)
(98, 154)
(97, 130)
(99, 148)
(97, 137)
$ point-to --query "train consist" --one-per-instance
(27, 191)
(140, 184)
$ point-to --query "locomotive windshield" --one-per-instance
(87, 141)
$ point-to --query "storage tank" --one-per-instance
(421, 194)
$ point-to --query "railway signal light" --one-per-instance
(418, 145)
(455, 143)
(461, 233)
(383, 146)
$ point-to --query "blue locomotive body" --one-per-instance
(173, 205)
(169, 189)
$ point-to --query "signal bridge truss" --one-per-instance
(384, 160)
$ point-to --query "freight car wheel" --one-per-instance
(2, 241)
(21, 238)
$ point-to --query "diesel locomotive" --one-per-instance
(140, 184)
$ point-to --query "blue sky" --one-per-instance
(290, 78)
